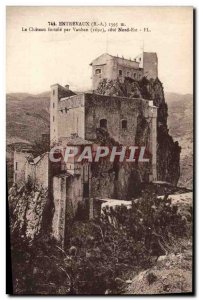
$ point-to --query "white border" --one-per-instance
(3, 4)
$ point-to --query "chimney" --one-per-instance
(67, 87)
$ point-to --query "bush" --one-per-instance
(99, 253)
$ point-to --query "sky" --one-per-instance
(35, 60)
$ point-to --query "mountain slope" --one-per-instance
(27, 116)
(180, 123)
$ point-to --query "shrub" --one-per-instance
(99, 253)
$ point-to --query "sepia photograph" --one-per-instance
(99, 150)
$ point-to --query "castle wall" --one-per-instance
(70, 117)
(54, 113)
(68, 194)
(149, 62)
(127, 70)
(42, 171)
(107, 71)
(111, 68)
(38, 172)
(59, 201)
(30, 172)
(114, 110)
(141, 117)
(57, 92)
(19, 166)
(153, 140)
(150, 65)
(74, 195)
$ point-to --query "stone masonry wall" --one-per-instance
(114, 110)
(70, 117)
(19, 166)
(38, 172)
(168, 151)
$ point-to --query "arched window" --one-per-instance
(103, 123)
(120, 72)
(98, 71)
(124, 124)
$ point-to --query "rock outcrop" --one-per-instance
(28, 206)
(168, 151)
(114, 179)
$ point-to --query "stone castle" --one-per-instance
(113, 67)
(80, 119)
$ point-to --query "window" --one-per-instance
(53, 118)
(53, 92)
(128, 74)
(140, 59)
(134, 75)
(98, 71)
(53, 105)
(86, 189)
(124, 124)
(103, 123)
(16, 165)
(120, 72)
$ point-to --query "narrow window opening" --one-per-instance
(124, 124)
(103, 123)
(120, 72)
(86, 189)
(16, 166)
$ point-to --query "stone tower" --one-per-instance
(148, 61)
(57, 93)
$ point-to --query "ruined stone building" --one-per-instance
(91, 118)
(113, 67)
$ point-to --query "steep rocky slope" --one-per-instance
(28, 206)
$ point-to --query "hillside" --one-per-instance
(28, 118)
(180, 122)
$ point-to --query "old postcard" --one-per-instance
(99, 150)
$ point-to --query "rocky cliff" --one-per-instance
(29, 210)
(168, 151)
